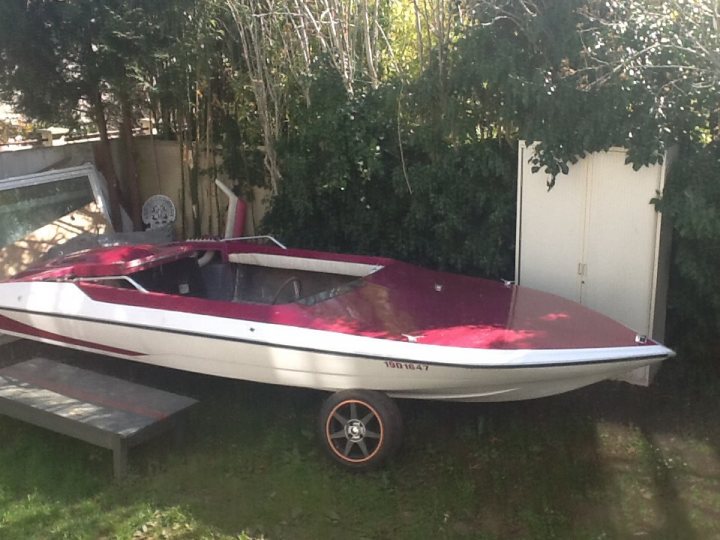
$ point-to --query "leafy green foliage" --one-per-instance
(58, 59)
(522, 68)
(692, 200)
(31, 67)
(344, 186)
(412, 153)
(581, 76)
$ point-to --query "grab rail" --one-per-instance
(130, 280)
(271, 238)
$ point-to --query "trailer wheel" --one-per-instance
(360, 429)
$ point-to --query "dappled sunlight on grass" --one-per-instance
(611, 461)
(687, 473)
(660, 485)
(632, 496)
(99, 517)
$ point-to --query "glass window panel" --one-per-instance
(27, 208)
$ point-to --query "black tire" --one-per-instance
(360, 429)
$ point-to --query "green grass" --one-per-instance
(611, 461)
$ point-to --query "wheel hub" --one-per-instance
(355, 430)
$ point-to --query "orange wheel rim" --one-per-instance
(354, 431)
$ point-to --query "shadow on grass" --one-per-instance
(537, 469)
(675, 420)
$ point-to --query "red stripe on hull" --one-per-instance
(10, 325)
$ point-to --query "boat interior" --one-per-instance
(270, 282)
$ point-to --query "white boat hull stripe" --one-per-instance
(652, 353)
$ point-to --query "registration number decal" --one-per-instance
(406, 365)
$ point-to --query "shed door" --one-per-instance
(551, 229)
(620, 240)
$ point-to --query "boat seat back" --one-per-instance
(180, 277)
(220, 281)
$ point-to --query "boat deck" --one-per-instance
(98, 409)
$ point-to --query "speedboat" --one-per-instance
(365, 328)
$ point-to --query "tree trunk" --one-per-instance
(194, 176)
(104, 162)
(183, 192)
(132, 179)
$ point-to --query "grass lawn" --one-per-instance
(610, 461)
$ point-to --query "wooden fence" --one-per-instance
(162, 168)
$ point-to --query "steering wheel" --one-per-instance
(296, 288)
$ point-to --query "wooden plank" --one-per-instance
(58, 424)
(100, 400)
(5, 339)
(95, 408)
(120, 457)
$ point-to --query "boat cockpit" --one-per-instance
(252, 277)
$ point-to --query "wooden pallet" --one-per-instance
(98, 409)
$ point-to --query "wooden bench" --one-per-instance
(102, 410)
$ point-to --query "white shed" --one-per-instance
(596, 238)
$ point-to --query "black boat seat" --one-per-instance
(220, 281)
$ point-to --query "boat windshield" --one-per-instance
(43, 210)
(245, 283)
